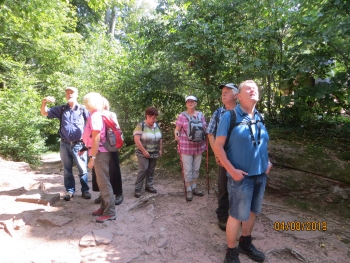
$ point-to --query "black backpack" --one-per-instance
(233, 124)
(195, 128)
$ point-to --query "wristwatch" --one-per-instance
(92, 157)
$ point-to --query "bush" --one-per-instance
(20, 121)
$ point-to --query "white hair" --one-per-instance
(93, 101)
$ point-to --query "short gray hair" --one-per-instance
(244, 83)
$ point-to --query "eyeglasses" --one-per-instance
(190, 101)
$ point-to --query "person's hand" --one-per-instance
(146, 154)
(49, 99)
(91, 163)
(217, 160)
(237, 174)
(80, 153)
(268, 168)
(160, 152)
(177, 136)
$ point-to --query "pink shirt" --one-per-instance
(187, 146)
(94, 123)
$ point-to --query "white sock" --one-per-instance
(189, 188)
(194, 186)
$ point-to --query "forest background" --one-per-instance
(142, 53)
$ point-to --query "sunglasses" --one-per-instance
(190, 101)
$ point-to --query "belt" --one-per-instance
(71, 143)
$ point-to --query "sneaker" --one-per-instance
(97, 200)
(68, 196)
(231, 256)
(151, 189)
(102, 219)
(197, 192)
(189, 196)
(98, 212)
(86, 195)
(222, 224)
(137, 193)
(252, 252)
(119, 199)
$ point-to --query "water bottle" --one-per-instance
(111, 137)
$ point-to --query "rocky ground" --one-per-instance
(162, 227)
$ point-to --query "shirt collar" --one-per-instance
(241, 112)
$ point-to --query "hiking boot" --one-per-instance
(102, 219)
(251, 252)
(137, 193)
(222, 224)
(197, 192)
(86, 195)
(98, 212)
(151, 190)
(119, 199)
(97, 200)
(67, 196)
(231, 256)
(189, 196)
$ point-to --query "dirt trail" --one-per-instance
(163, 228)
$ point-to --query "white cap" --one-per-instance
(190, 98)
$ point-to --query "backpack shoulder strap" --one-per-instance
(199, 116)
(233, 117)
(186, 114)
(142, 125)
(82, 111)
(260, 117)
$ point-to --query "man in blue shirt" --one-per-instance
(72, 118)
(228, 96)
(246, 160)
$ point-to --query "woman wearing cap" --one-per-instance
(148, 140)
(191, 151)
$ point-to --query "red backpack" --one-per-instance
(114, 135)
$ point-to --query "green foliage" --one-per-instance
(137, 57)
(20, 137)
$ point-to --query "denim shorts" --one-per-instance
(246, 195)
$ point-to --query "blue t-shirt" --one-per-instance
(73, 121)
(240, 149)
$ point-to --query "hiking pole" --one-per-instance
(207, 164)
(182, 169)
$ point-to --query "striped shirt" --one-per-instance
(150, 137)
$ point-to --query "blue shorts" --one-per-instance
(246, 195)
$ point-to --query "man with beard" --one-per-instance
(72, 118)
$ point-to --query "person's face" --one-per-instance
(71, 96)
(249, 93)
(227, 96)
(151, 120)
(191, 104)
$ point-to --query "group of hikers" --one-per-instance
(236, 134)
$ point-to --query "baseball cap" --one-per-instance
(74, 89)
(229, 85)
(190, 98)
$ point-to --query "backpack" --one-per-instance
(114, 135)
(233, 123)
(195, 128)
